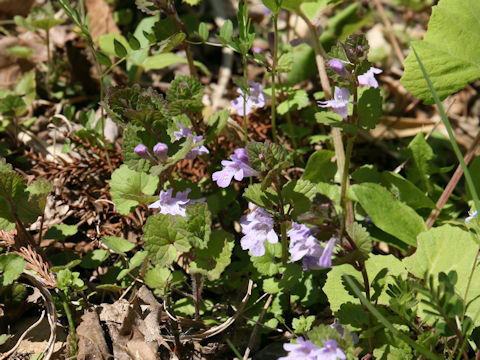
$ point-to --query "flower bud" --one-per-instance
(142, 151)
(160, 151)
(338, 67)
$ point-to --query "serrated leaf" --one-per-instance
(319, 167)
(266, 199)
(118, 244)
(11, 266)
(268, 264)
(212, 260)
(14, 199)
(302, 324)
(198, 225)
(361, 238)
(126, 181)
(449, 50)
(299, 193)
(444, 249)
(297, 100)
(382, 267)
(388, 213)
(185, 88)
(60, 231)
(162, 239)
(369, 108)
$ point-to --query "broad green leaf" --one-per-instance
(299, 193)
(94, 259)
(162, 239)
(380, 268)
(369, 108)
(68, 280)
(133, 42)
(6, 225)
(198, 225)
(11, 266)
(111, 43)
(129, 182)
(405, 191)
(61, 231)
(297, 100)
(270, 263)
(319, 167)
(361, 238)
(192, 2)
(226, 31)
(26, 87)
(389, 214)
(14, 199)
(304, 60)
(266, 199)
(449, 50)
(272, 5)
(291, 275)
(4, 338)
(161, 61)
(185, 88)
(215, 124)
(157, 277)
(444, 249)
(38, 193)
(213, 260)
(302, 324)
(421, 169)
(118, 244)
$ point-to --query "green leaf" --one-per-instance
(4, 338)
(226, 31)
(94, 259)
(273, 5)
(103, 59)
(198, 225)
(380, 269)
(117, 244)
(449, 50)
(215, 125)
(266, 199)
(11, 266)
(405, 191)
(192, 2)
(369, 108)
(129, 182)
(185, 88)
(291, 275)
(302, 324)
(14, 199)
(421, 169)
(319, 167)
(212, 260)
(114, 44)
(161, 61)
(38, 193)
(297, 100)
(444, 249)
(268, 264)
(203, 31)
(67, 280)
(162, 239)
(120, 49)
(61, 231)
(388, 213)
(157, 277)
(361, 238)
(133, 42)
(299, 193)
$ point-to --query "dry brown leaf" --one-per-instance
(101, 19)
(91, 340)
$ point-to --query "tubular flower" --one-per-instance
(160, 150)
(340, 102)
(306, 350)
(368, 79)
(238, 168)
(256, 99)
(256, 227)
(185, 133)
(338, 67)
(174, 205)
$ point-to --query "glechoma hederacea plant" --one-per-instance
(395, 265)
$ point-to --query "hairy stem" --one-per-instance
(274, 70)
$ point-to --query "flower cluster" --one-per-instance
(238, 168)
(306, 350)
(339, 104)
(185, 133)
(303, 245)
(256, 99)
(257, 226)
(160, 150)
(174, 205)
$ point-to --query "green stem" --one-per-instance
(71, 327)
(245, 95)
(346, 205)
(274, 70)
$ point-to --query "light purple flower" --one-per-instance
(174, 205)
(142, 151)
(185, 133)
(338, 67)
(340, 102)
(330, 351)
(305, 246)
(257, 226)
(160, 150)
(368, 79)
(255, 100)
(238, 168)
(471, 217)
(302, 350)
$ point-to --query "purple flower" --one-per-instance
(238, 168)
(330, 351)
(142, 151)
(257, 226)
(185, 133)
(303, 245)
(302, 350)
(368, 79)
(174, 205)
(338, 67)
(160, 151)
(255, 100)
(471, 217)
(340, 102)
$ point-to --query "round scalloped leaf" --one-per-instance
(448, 51)
(11, 266)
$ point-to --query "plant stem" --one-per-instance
(274, 70)
(346, 204)
(49, 63)
(71, 327)
(245, 96)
